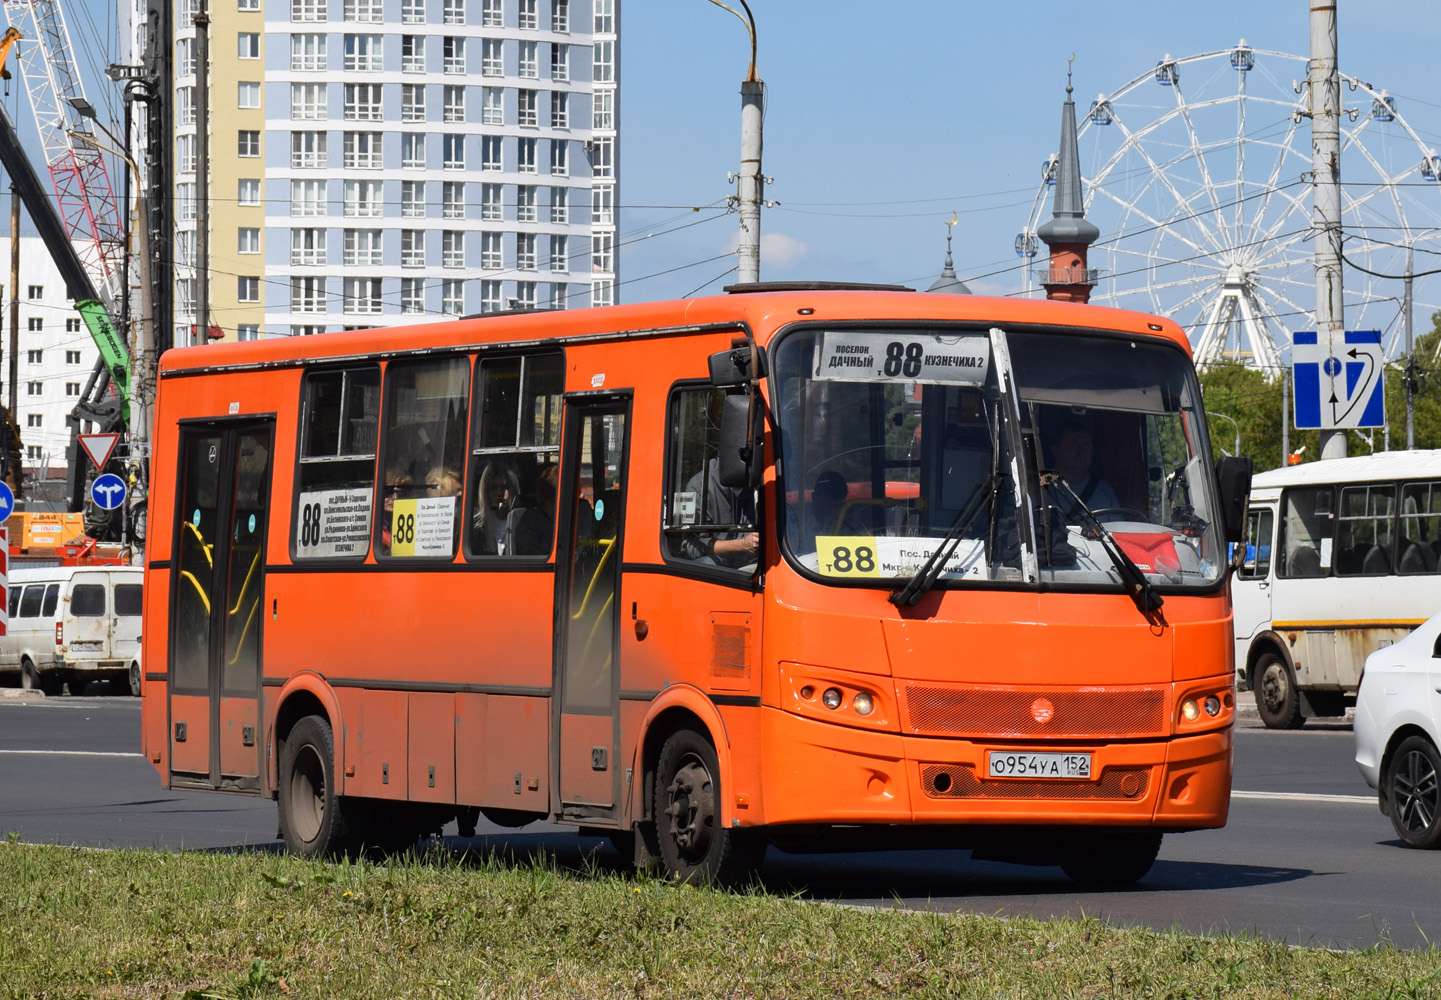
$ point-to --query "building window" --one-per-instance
(559, 206)
(32, 453)
(452, 200)
(307, 294)
(185, 105)
(601, 252)
(602, 205)
(247, 239)
(362, 102)
(362, 53)
(452, 54)
(72, 357)
(248, 94)
(71, 325)
(453, 104)
(305, 331)
(452, 12)
(185, 204)
(525, 102)
(412, 53)
(600, 157)
(362, 151)
(185, 154)
(247, 288)
(412, 150)
(452, 248)
(247, 142)
(604, 22)
(34, 420)
(452, 297)
(491, 202)
(602, 116)
(248, 191)
(525, 156)
(307, 10)
(492, 110)
(602, 293)
(489, 296)
(529, 66)
(491, 63)
(363, 11)
(412, 295)
(525, 203)
(307, 101)
(35, 324)
(492, 13)
(247, 331)
(560, 63)
(307, 52)
(362, 248)
(603, 64)
(559, 157)
(559, 15)
(525, 14)
(412, 102)
(307, 149)
(35, 388)
(524, 295)
(525, 251)
(248, 44)
(72, 388)
(412, 199)
(307, 247)
(34, 357)
(490, 152)
(452, 152)
(307, 198)
(558, 261)
(247, 4)
(559, 109)
(490, 256)
(185, 57)
(412, 11)
(412, 248)
(362, 200)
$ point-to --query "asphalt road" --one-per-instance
(1306, 858)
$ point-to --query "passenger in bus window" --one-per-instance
(534, 530)
(495, 496)
(1073, 456)
(722, 505)
(396, 484)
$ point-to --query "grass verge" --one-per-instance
(80, 923)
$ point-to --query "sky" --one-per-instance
(886, 121)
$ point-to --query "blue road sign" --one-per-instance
(108, 491)
(1339, 387)
(7, 500)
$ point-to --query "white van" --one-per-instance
(72, 624)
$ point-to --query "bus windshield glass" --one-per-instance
(1031, 457)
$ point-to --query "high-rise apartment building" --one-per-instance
(384, 162)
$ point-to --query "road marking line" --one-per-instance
(69, 753)
(1304, 797)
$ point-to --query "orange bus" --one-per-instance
(808, 566)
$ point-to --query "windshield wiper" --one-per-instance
(1133, 581)
(925, 577)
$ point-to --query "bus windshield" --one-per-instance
(1045, 457)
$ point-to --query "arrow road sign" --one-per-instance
(108, 491)
(7, 500)
(1340, 386)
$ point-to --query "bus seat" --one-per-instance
(1348, 561)
(511, 520)
(1305, 561)
(1376, 563)
(1417, 558)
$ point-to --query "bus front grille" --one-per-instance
(1052, 713)
(959, 781)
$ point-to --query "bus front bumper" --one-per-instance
(817, 773)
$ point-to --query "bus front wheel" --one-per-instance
(1277, 700)
(694, 846)
(311, 818)
(1111, 857)
(1413, 784)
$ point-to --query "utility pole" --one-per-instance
(749, 180)
(1409, 376)
(1324, 88)
(202, 177)
(14, 301)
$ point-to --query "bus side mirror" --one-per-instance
(733, 367)
(1233, 474)
(740, 451)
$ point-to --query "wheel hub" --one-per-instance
(692, 808)
(1416, 792)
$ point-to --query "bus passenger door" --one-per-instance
(217, 589)
(1251, 587)
(588, 571)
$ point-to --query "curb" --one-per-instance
(17, 694)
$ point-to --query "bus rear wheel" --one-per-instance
(694, 846)
(1111, 857)
(312, 820)
(1277, 700)
(1413, 784)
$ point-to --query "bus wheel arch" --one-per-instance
(312, 819)
(1273, 681)
(303, 695)
(696, 844)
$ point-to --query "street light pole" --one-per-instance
(1213, 413)
(748, 181)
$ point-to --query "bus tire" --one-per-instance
(1278, 702)
(312, 820)
(694, 846)
(1110, 857)
(1413, 786)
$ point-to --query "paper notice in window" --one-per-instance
(423, 527)
(333, 523)
(902, 356)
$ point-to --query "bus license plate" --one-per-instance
(1005, 764)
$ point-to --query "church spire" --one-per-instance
(948, 283)
(1069, 233)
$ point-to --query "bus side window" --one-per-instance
(340, 418)
(1306, 532)
(705, 522)
(426, 418)
(52, 600)
(1420, 536)
(1258, 545)
(30, 603)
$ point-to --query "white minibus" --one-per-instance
(71, 625)
(1341, 559)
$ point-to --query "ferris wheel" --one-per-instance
(1198, 174)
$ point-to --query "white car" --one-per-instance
(1397, 735)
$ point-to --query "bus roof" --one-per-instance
(1380, 466)
(765, 310)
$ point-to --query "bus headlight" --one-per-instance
(831, 698)
(862, 703)
(1190, 711)
(1212, 705)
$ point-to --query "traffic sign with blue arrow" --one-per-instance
(108, 491)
